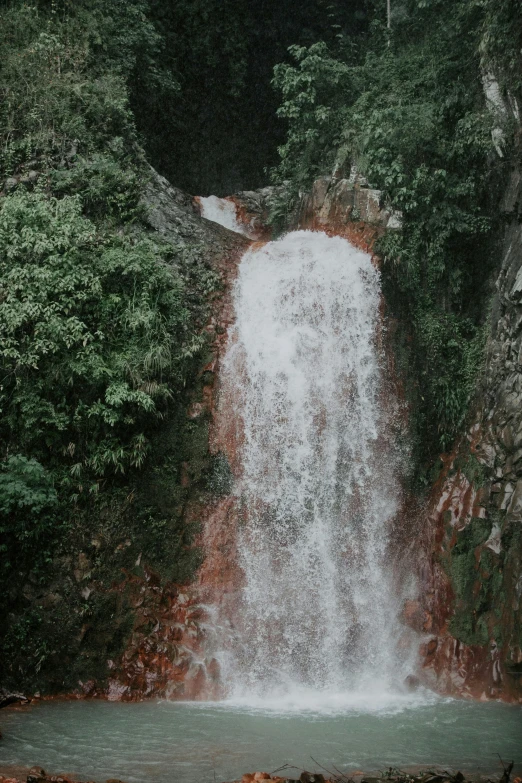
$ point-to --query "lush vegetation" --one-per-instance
(94, 333)
(196, 76)
(100, 323)
(409, 108)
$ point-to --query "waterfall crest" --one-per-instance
(222, 211)
(316, 482)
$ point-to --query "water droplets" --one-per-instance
(316, 478)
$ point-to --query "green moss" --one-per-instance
(478, 578)
(473, 582)
(472, 469)
(219, 478)
(464, 627)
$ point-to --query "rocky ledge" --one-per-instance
(11, 697)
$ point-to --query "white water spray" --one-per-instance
(222, 211)
(318, 475)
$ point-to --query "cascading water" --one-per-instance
(222, 211)
(317, 479)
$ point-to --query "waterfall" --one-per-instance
(316, 484)
(222, 211)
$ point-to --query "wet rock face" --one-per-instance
(11, 697)
(305, 777)
(164, 655)
(472, 564)
(176, 217)
(345, 205)
(253, 209)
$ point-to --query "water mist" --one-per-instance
(317, 481)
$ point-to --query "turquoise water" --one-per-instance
(169, 742)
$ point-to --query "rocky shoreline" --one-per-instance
(288, 774)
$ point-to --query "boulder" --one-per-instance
(10, 184)
(11, 697)
(412, 683)
(36, 775)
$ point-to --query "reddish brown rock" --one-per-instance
(414, 616)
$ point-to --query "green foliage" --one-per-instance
(25, 486)
(452, 350)
(28, 505)
(219, 134)
(472, 581)
(100, 329)
(411, 112)
(197, 75)
(43, 649)
(95, 337)
(469, 630)
(501, 42)
(311, 106)
(463, 561)
(51, 105)
(472, 469)
(108, 190)
(98, 321)
(26, 635)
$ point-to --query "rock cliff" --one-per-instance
(472, 564)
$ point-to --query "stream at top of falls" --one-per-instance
(224, 212)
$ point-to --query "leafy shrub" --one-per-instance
(50, 106)
(109, 190)
(95, 336)
(100, 332)
(28, 504)
(316, 94)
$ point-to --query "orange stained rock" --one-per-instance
(257, 228)
(257, 245)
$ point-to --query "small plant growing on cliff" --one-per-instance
(220, 477)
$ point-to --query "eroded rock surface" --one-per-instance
(346, 206)
(472, 567)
